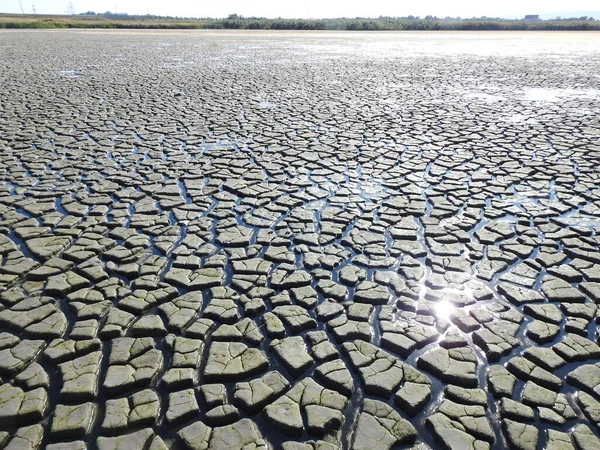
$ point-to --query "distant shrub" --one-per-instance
(235, 21)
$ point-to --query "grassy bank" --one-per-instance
(236, 22)
(39, 21)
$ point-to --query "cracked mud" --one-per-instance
(299, 241)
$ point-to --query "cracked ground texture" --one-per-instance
(299, 241)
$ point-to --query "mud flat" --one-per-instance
(323, 241)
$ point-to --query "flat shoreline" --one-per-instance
(350, 24)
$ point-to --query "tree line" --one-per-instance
(108, 19)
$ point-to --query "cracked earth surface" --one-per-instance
(299, 241)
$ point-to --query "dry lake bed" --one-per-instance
(299, 241)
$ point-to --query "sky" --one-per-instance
(313, 8)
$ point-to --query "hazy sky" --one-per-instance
(311, 8)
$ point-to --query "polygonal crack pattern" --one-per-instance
(215, 242)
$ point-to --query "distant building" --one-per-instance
(530, 17)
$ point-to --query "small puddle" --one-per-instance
(70, 73)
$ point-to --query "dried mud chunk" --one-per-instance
(380, 427)
(65, 283)
(510, 409)
(332, 290)
(536, 395)
(335, 375)
(548, 415)
(182, 406)
(46, 247)
(373, 293)
(280, 254)
(116, 415)
(586, 377)
(252, 396)
(15, 358)
(584, 438)
(494, 345)
(232, 361)
(60, 350)
(412, 397)
(287, 279)
(72, 421)
(380, 372)
(236, 236)
(252, 266)
(500, 381)
(518, 295)
(180, 311)
(240, 435)
(457, 366)
(195, 280)
(222, 415)
(53, 266)
(558, 440)
(35, 317)
(546, 312)
(591, 289)
(19, 407)
(382, 377)
(26, 438)
(274, 325)
(472, 419)
(73, 445)
(80, 377)
(245, 329)
(145, 407)
(466, 396)
(520, 436)
(421, 335)
(351, 275)
(286, 412)
(195, 436)
(137, 440)
(558, 290)
(199, 328)
(527, 370)
(309, 445)
(214, 394)
(17, 264)
(33, 377)
(132, 362)
(292, 353)
(576, 348)
(295, 317)
(344, 329)
(187, 352)
(222, 309)
(116, 323)
(305, 296)
(451, 435)
(149, 325)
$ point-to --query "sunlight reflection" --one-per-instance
(444, 309)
